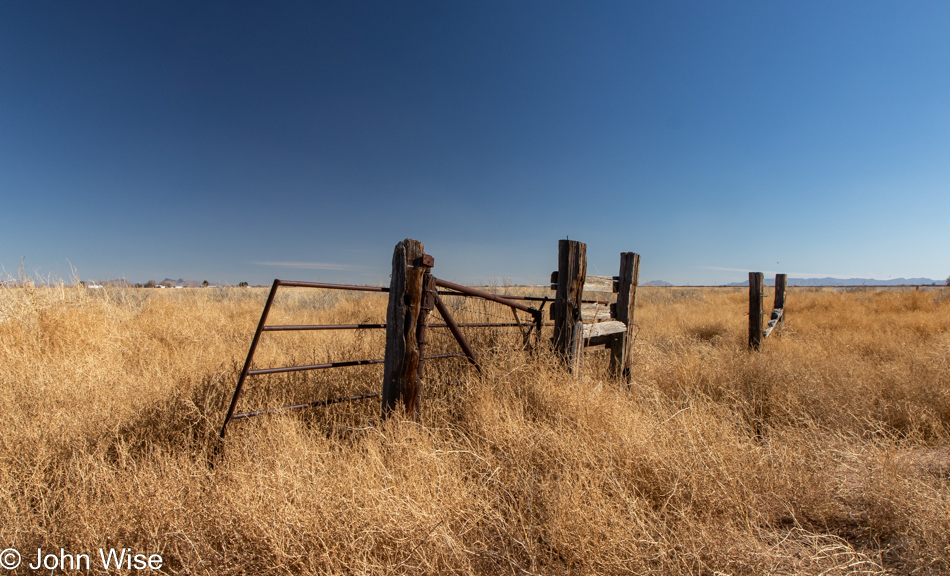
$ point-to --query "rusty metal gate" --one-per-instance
(430, 297)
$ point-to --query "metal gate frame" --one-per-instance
(449, 322)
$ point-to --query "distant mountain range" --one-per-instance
(848, 282)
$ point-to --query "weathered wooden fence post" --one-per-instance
(621, 347)
(571, 273)
(781, 280)
(405, 326)
(756, 288)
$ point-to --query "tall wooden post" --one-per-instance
(780, 282)
(401, 371)
(621, 347)
(756, 288)
(571, 273)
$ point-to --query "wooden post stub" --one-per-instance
(566, 311)
(621, 347)
(401, 365)
(756, 288)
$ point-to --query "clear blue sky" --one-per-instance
(302, 140)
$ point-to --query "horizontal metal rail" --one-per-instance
(296, 284)
(527, 298)
(482, 325)
(285, 328)
(335, 365)
(486, 295)
(505, 296)
(312, 367)
(309, 405)
(331, 400)
(289, 328)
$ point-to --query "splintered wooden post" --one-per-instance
(756, 289)
(621, 347)
(401, 366)
(571, 273)
(780, 282)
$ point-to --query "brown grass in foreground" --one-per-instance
(825, 453)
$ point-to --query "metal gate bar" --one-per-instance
(331, 400)
(289, 328)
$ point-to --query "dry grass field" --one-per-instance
(826, 453)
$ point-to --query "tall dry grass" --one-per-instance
(825, 453)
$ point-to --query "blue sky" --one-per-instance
(301, 140)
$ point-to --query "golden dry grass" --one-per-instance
(825, 453)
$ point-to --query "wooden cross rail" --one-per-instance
(756, 311)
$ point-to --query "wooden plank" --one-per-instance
(776, 319)
(607, 297)
(621, 350)
(599, 284)
(608, 284)
(756, 290)
(604, 328)
(592, 312)
(603, 333)
(401, 365)
(566, 310)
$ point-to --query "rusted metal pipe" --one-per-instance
(313, 367)
(454, 328)
(284, 328)
(485, 295)
(541, 299)
(479, 325)
(296, 284)
(290, 328)
(334, 365)
(310, 405)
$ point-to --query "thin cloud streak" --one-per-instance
(313, 266)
